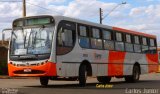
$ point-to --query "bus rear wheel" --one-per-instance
(135, 75)
(82, 75)
(44, 81)
(104, 79)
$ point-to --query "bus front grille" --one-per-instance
(32, 72)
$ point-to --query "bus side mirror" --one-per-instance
(7, 47)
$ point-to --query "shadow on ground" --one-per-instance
(116, 85)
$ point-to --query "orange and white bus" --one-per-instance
(58, 47)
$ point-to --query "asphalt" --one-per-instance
(8, 77)
(116, 86)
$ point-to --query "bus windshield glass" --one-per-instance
(31, 41)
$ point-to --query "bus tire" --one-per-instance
(104, 79)
(82, 75)
(135, 75)
(44, 81)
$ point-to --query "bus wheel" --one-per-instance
(135, 75)
(104, 79)
(44, 81)
(82, 75)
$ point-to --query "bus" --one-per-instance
(6, 34)
(64, 48)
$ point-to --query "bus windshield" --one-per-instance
(31, 41)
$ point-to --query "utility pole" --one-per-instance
(101, 12)
(24, 8)
(100, 15)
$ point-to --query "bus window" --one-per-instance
(119, 36)
(119, 45)
(66, 37)
(83, 36)
(128, 44)
(152, 42)
(136, 40)
(96, 42)
(83, 31)
(144, 41)
(95, 33)
(145, 48)
(152, 47)
(107, 39)
(128, 38)
(137, 46)
(107, 35)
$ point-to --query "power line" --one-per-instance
(113, 9)
(101, 12)
(10, 1)
(14, 1)
(43, 7)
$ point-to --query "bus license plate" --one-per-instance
(27, 70)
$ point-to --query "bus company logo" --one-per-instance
(97, 56)
(9, 91)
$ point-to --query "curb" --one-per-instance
(4, 77)
(8, 77)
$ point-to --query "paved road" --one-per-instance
(148, 84)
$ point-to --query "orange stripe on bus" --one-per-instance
(116, 60)
(133, 32)
(152, 60)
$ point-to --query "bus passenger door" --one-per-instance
(66, 38)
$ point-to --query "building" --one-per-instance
(3, 57)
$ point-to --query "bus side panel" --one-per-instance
(102, 70)
(116, 60)
(128, 63)
(68, 64)
(131, 59)
(143, 63)
(101, 58)
(67, 67)
(152, 60)
(94, 69)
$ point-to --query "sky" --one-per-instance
(138, 15)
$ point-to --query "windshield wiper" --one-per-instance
(25, 57)
(14, 34)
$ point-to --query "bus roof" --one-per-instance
(7, 29)
(98, 25)
(109, 27)
(134, 32)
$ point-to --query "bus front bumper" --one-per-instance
(47, 69)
